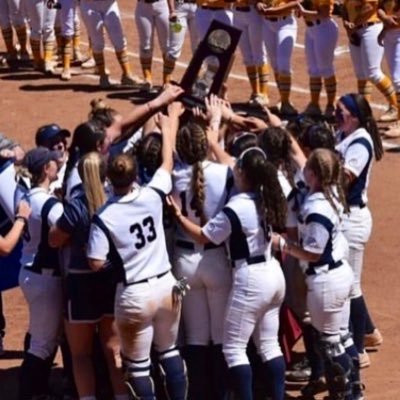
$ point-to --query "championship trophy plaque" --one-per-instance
(210, 64)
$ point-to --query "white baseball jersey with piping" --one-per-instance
(357, 151)
(7, 187)
(144, 312)
(206, 267)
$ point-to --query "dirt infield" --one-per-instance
(28, 100)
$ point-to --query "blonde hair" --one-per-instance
(92, 170)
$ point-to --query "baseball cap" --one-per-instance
(38, 157)
(47, 133)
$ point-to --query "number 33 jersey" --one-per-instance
(133, 225)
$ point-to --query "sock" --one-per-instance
(275, 375)
(197, 361)
(330, 87)
(285, 81)
(122, 57)
(310, 338)
(315, 89)
(67, 52)
(36, 52)
(365, 88)
(386, 88)
(357, 318)
(48, 51)
(219, 372)
(168, 68)
(263, 77)
(146, 68)
(99, 60)
(253, 78)
(8, 40)
(32, 376)
(22, 35)
(241, 381)
(76, 38)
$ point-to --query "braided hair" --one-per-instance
(148, 153)
(192, 148)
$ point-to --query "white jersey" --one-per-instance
(7, 188)
(130, 228)
(320, 232)
(218, 183)
(37, 197)
(357, 150)
(240, 220)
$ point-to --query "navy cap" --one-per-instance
(47, 133)
(38, 157)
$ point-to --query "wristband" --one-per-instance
(283, 244)
(20, 217)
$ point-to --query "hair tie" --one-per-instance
(244, 134)
(350, 103)
(253, 148)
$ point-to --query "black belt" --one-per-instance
(187, 2)
(243, 9)
(148, 279)
(183, 244)
(359, 205)
(148, 1)
(252, 260)
(312, 23)
(275, 19)
(212, 8)
(43, 271)
(311, 270)
(366, 25)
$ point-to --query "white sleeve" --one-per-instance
(217, 229)
(98, 245)
(7, 190)
(356, 158)
(315, 238)
(55, 213)
(162, 181)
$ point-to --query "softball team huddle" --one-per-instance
(176, 241)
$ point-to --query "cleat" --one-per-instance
(313, 387)
(66, 75)
(131, 80)
(313, 110)
(329, 112)
(105, 82)
(375, 338)
(259, 99)
(288, 109)
(88, 64)
(373, 341)
(390, 115)
(364, 360)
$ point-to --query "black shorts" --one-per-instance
(90, 296)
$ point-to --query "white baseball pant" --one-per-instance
(205, 16)
(253, 310)
(41, 20)
(11, 13)
(209, 276)
(103, 13)
(392, 55)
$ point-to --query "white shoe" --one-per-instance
(49, 68)
(88, 64)
(364, 360)
(390, 115)
(392, 133)
(259, 99)
(66, 75)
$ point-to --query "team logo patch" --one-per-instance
(311, 242)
